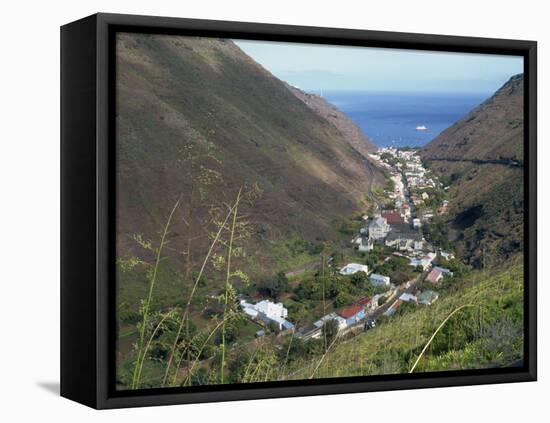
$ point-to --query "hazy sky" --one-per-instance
(324, 68)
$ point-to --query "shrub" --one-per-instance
(273, 286)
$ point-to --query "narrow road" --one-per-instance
(407, 196)
(312, 265)
(504, 162)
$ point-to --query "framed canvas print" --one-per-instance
(255, 211)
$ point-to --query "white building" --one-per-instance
(447, 256)
(378, 228)
(271, 309)
(424, 261)
(379, 280)
(269, 312)
(341, 322)
(407, 297)
(319, 323)
(352, 268)
(250, 311)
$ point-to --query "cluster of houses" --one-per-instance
(409, 174)
(358, 311)
(437, 273)
(407, 163)
(275, 314)
(415, 173)
(347, 317)
(392, 229)
(375, 279)
(426, 297)
(398, 228)
(423, 260)
(352, 314)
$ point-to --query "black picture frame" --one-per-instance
(87, 210)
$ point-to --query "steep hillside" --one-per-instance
(196, 120)
(493, 130)
(343, 123)
(481, 157)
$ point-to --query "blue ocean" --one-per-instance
(390, 119)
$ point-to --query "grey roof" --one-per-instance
(428, 296)
(378, 222)
(287, 325)
(397, 234)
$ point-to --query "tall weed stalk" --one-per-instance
(141, 351)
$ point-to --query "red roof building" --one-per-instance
(350, 311)
(434, 276)
(393, 218)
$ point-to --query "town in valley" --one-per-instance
(394, 232)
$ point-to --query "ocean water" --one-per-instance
(390, 119)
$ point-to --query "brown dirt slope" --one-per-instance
(197, 119)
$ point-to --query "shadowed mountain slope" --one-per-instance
(343, 123)
(481, 157)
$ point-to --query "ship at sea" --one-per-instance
(421, 128)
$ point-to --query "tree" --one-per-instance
(273, 327)
(342, 299)
(274, 286)
(202, 278)
(359, 279)
(371, 259)
(299, 311)
(293, 349)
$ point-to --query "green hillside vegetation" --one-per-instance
(486, 332)
(481, 158)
